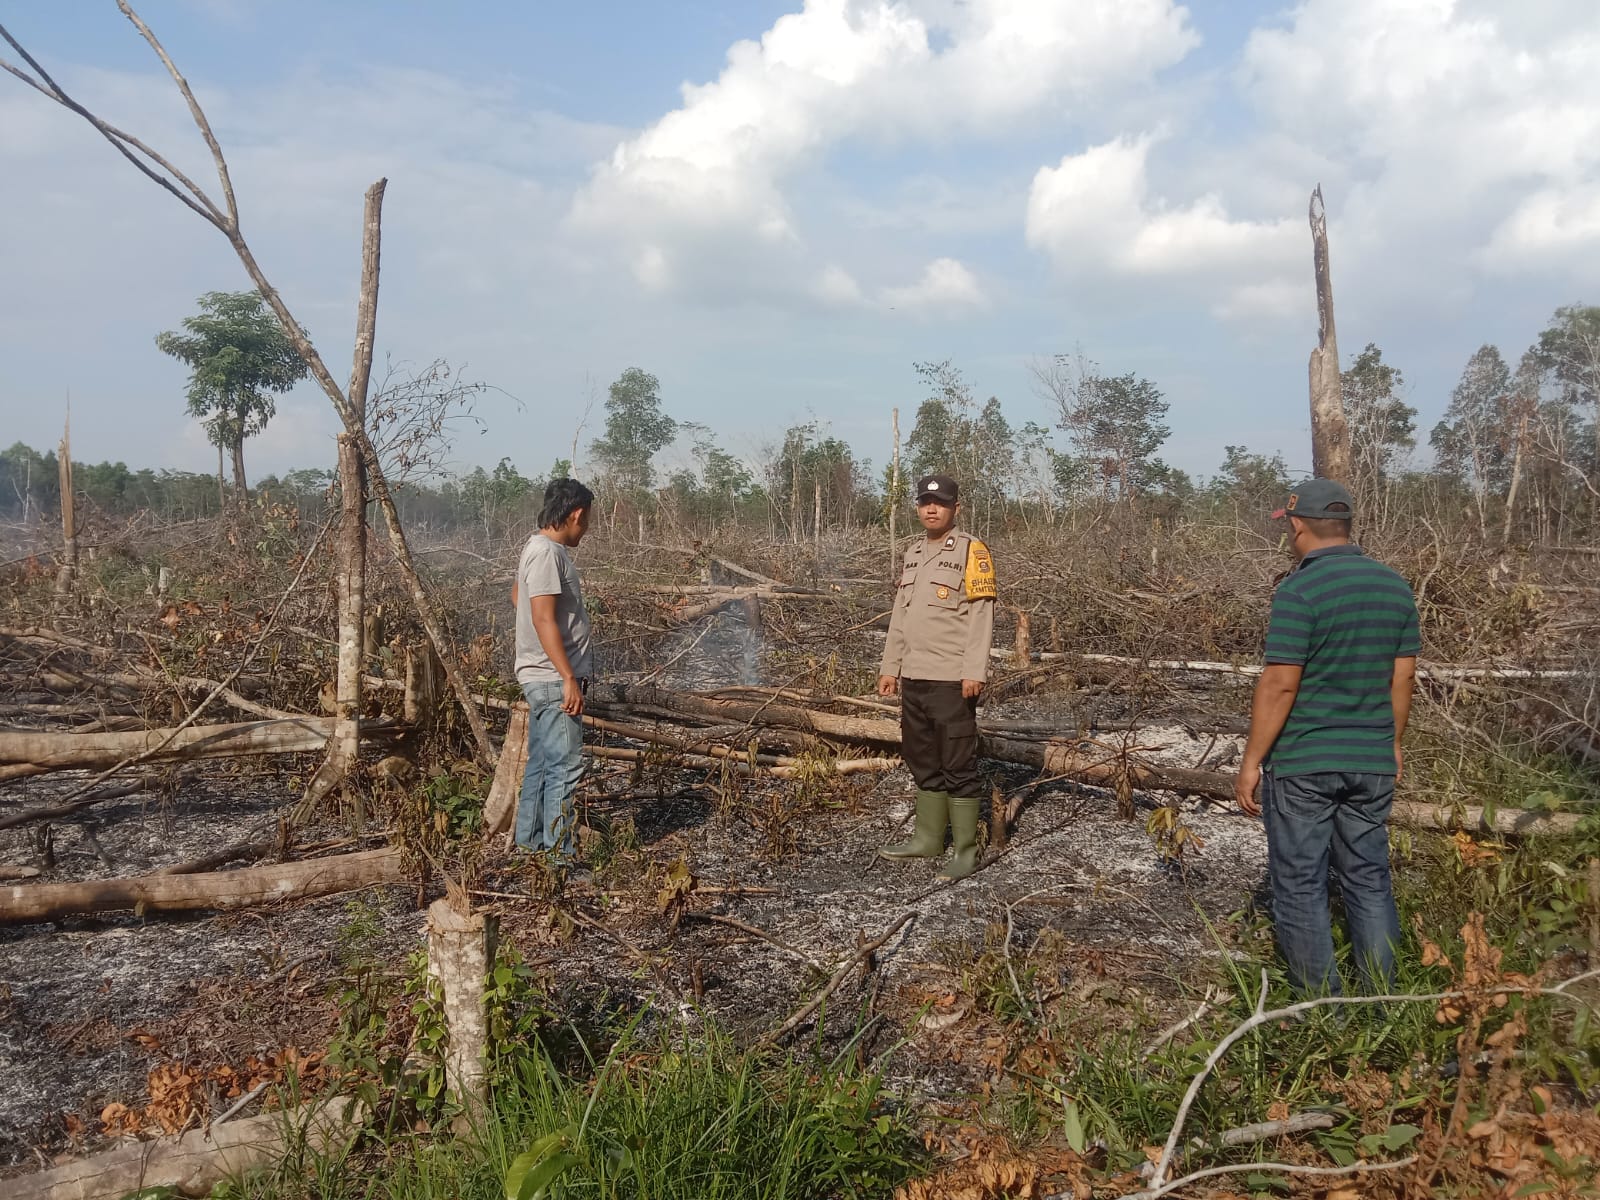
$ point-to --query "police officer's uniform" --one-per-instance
(939, 634)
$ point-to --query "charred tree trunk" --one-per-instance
(67, 574)
(1330, 434)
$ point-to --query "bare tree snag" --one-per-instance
(23, 754)
(346, 739)
(1021, 651)
(420, 706)
(1330, 434)
(195, 1163)
(460, 949)
(219, 890)
(67, 575)
(894, 495)
(225, 219)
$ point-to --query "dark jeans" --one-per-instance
(1310, 819)
(939, 736)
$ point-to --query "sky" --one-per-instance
(778, 208)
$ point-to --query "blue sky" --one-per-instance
(778, 208)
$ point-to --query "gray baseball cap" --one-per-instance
(1316, 497)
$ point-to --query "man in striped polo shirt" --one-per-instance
(1324, 745)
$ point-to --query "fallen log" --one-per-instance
(36, 753)
(1439, 671)
(221, 890)
(1109, 770)
(779, 767)
(605, 697)
(62, 679)
(193, 1164)
(1068, 760)
(1057, 757)
(1506, 821)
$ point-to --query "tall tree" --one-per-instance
(1475, 441)
(954, 435)
(1116, 423)
(816, 477)
(1382, 425)
(1249, 480)
(636, 428)
(239, 359)
(1569, 351)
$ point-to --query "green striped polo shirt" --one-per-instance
(1343, 619)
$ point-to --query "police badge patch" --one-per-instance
(980, 581)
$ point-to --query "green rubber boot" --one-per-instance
(928, 840)
(964, 839)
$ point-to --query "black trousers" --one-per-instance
(939, 736)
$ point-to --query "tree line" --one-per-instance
(1517, 452)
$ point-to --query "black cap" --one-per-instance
(1316, 497)
(937, 487)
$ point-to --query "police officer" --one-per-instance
(937, 658)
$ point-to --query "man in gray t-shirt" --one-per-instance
(555, 661)
(547, 569)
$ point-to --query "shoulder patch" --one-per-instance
(980, 581)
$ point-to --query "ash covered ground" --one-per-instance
(88, 1007)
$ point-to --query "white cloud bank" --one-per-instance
(705, 185)
(1093, 213)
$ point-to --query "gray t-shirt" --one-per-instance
(546, 569)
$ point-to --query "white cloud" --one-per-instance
(1468, 126)
(945, 285)
(836, 287)
(1554, 226)
(1093, 214)
(708, 180)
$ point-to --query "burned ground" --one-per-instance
(93, 1006)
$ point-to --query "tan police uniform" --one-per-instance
(939, 634)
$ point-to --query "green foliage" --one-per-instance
(1382, 425)
(953, 435)
(636, 428)
(806, 462)
(1474, 441)
(1116, 423)
(1252, 482)
(456, 798)
(239, 357)
(659, 1118)
(500, 498)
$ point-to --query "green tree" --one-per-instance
(494, 497)
(1382, 425)
(29, 481)
(1250, 481)
(1474, 441)
(239, 358)
(636, 429)
(1568, 350)
(809, 468)
(954, 436)
(1116, 423)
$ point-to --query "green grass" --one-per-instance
(661, 1119)
(1371, 1069)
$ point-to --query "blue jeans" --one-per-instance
(555, 749)
(1309, 819)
